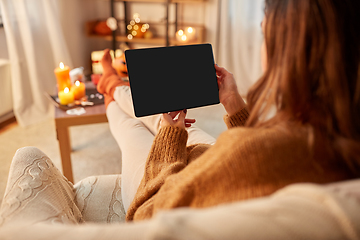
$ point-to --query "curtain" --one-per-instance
(239, 40)
(36, 46)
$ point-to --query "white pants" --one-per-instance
(135, 137)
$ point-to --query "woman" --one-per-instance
(311, 57)
(311, 60)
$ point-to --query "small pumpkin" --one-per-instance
(119, 64)
(101, 28)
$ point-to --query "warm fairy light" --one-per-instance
(61, 65)
(136, 28)
(190, 30)
(77, 83)
(183, 37)
(66, 90)
(181, 32)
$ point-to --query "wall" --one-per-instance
(74, 14)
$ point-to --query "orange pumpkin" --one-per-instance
(101, 28)
(120, 65)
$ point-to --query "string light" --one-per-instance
(136, 29)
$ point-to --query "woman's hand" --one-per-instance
(169, 119)
(228, 92)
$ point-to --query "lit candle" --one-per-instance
(190, 33)
(78, 90)
(181, 36)
(66, 96)
(62, 77)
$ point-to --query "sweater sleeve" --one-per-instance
(167, 156)
(238, 119)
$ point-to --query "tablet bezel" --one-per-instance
(202, 92)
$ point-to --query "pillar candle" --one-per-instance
(62, 77)
(78, 90)
(66, 96)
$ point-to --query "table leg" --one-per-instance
(65, 150)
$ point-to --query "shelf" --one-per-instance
(166, 39)
(162, 1)
(152, 41)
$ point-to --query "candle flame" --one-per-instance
(181, 32)
(183, 38)
(190, 30)
(77, 83)
(66, 90)
(61, 65)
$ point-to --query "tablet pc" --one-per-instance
(166, 79)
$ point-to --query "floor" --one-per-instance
(8, 124)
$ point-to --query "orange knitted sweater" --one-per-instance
(244, 163)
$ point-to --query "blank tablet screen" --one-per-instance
(168, 79)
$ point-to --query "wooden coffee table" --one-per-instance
(94, 114)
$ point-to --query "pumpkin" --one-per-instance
(119, 64)
(101, 28)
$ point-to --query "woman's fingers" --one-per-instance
(181, 120)
(220, 70)
(190, 120)
(174, 114)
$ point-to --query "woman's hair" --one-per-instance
(313, 72)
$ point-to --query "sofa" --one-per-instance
(40, 203)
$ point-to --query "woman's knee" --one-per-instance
(32, 166)
(28, 154)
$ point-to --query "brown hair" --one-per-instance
(313, 72)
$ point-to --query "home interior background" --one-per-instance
(41, 34)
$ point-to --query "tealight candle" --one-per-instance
(78, 90)
(62, 76)
(66, 96)
(181, 36)
(190, 33)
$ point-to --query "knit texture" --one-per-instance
(108, 83)
(37, 192)
(244, 163)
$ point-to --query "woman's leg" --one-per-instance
(114, 88)
(37, 192)
(135, 141)
(122, 96)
